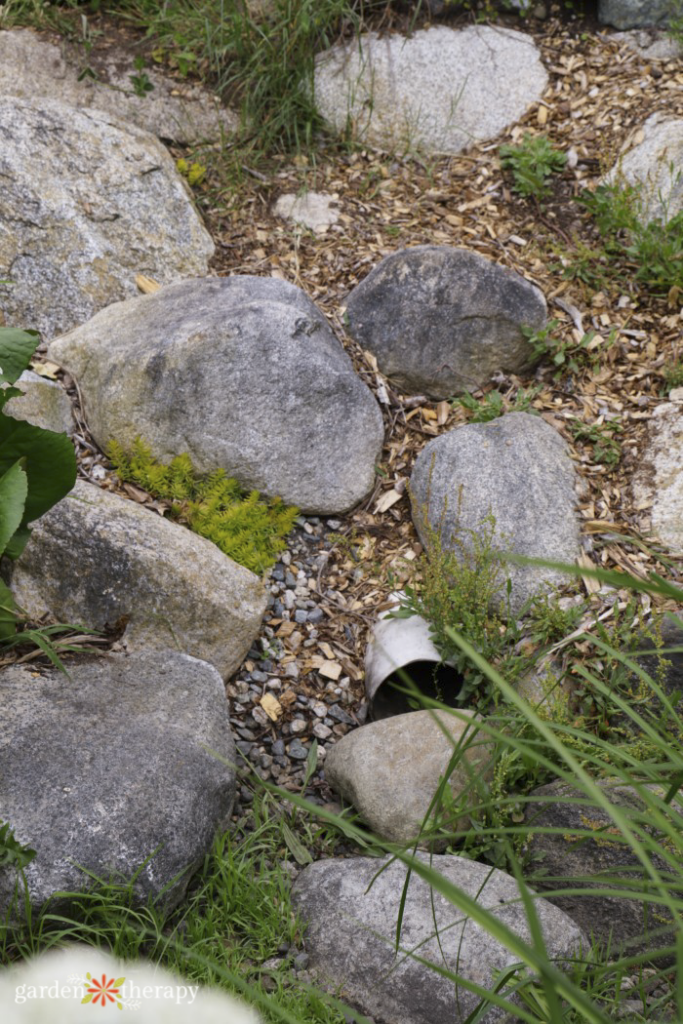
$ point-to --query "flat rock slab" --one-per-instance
(87, 203)
(101, 560)
(567, 853)
(105, 767)
(390, 770)
(518, 469)
(440, 321)
(243, 373)
(439, 90)
(316, 211)
(658, 481)
(32, 68)
(351, 931)
(652, 159)
(634, 13)
(44, 403)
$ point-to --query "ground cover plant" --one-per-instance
(244, 526)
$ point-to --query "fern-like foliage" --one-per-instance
(249, 529)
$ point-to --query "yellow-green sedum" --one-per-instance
(248, 528)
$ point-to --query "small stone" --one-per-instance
(278, 748)
(297, 726)
(278, 573)
(246, 734)
(290, 580)
(318, 708)
(298, 751)
(300, 616)
(274, 684)
(259, 715)
(316, 615)
(320, 731)
(301, 961)
(286, 558)
(339, 714)
(292, 670)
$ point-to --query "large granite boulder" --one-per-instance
(100, 560)
(652, 160)
(575, 846)
(634, 13)
(87, 203)
(515, 468)
(657, 482)
(33, 68)
(108, 769)
(390, 770)
(439, 90)
(242, 373)
(441, 321)
(351, 935)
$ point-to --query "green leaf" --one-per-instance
(50, 463)
(87, 998)
(13, 494)
(12, 852)
(16, 350)
(298, 851)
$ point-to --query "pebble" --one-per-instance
(321, 731)
(297, 750)
(298, 726)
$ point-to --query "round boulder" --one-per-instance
(518, 470)
(440, 321)
(243, 374)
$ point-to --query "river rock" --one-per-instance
(566, 854)
(108, 767)
(243, 373)
(33, 68)
(439, 90)
(652, 159)
(101, 560)
(441, 321)
(515, 468)
(634, 13)
(657, 482)
(351, 934)
(87, 203)
(390, 770)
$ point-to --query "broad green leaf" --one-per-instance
(298, 851)
(13, 494)
(16, 349)
(17, 543)
(7, 393)
(87, 998)
(50, 463)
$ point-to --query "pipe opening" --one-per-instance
(433, 679)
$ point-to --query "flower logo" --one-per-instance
(106, 990)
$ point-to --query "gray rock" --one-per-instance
(351, 932)
(242, 373)
(634, 13)
(441, 321)
(439, 90)
(314, 210)
(652, 158)
(390, 770)
(516, 468)
(654, 44)
(558, 858)
(44, 403)
(107, 767)
(97, 559)
(658, 478)
(87, 203)
(33, 68)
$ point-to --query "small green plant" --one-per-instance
(141, 81)
(565, 353)
(37, 467)
(494, 404)
(194, 172)
(243, 525)
(532, 163)
(673, 376)
(606, 449)
(12, 853)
